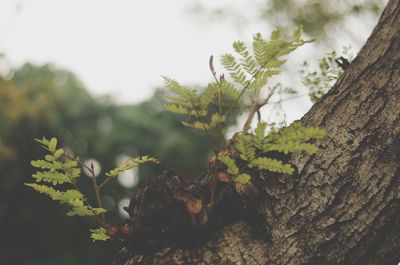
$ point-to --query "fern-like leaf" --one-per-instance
(179, 109)
(242, 179)
(131, 163)
(204, 126)
(291, 147)
(72, 198)
(175, 87)
(272, 165)
(234, 69)
(230, 164)
(244, 144)
(54, 170)
(99, 234)
(247, 61)
(259, 48)
(228, 89)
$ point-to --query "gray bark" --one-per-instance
(342, 206)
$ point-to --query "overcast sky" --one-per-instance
(115, 47)
(123, 47)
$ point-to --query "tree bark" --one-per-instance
(343, 204)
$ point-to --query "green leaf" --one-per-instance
(243, 178)
(52, 144)
(49, 158)
(291, 147)
(49, 191)
(53, 177)
(204, 126)
(85, 210)
(175, 87)
(247, 61)
(229, 90)
(244, 144)
(58, 153)
(234, 69)
(53, 170)
(72, 198)
(208, 95)
(99, 234)
(230, 164)
(44, 141)
(131, 163)
(272, 165)
(296, 35)
(44, 164)
(217, 119)
(260, 130)
(179, 109)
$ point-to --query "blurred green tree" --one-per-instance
(322, 19)
(38, 101)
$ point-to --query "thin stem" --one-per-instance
(289, 98)
(216, 151)
(219, 126)
(241, 93)
(95, 218)
(97, 191)
(102, 221)
(78, 161)
(252, 112)
(212, 69)
(104, 182)
(202, 122)
(248, 84)
(256, 108)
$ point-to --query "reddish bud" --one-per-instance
(194, 206)
(246, 190)
(224, 176)
(125, 230)
(112, 231)
(213, 162)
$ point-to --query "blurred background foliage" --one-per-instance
(38, 101)
(43, 100)
(327, 21)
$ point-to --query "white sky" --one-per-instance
(123, 47)
(115, 47)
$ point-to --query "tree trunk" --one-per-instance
(342, 206)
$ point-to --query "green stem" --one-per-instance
(255, 108)
(104, 182)
(98, 198)
(216, 151)
(202, 122)
(102, 221)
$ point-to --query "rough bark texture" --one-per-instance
(342, 206)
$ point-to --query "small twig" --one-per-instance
(100, 221)
(249, 82)
(104, 182)
(211, 64)
(241, 93)
(202, 122)
(97, 191)
(217, 145)
(289, 98)
(78, 161)
(255, 109)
